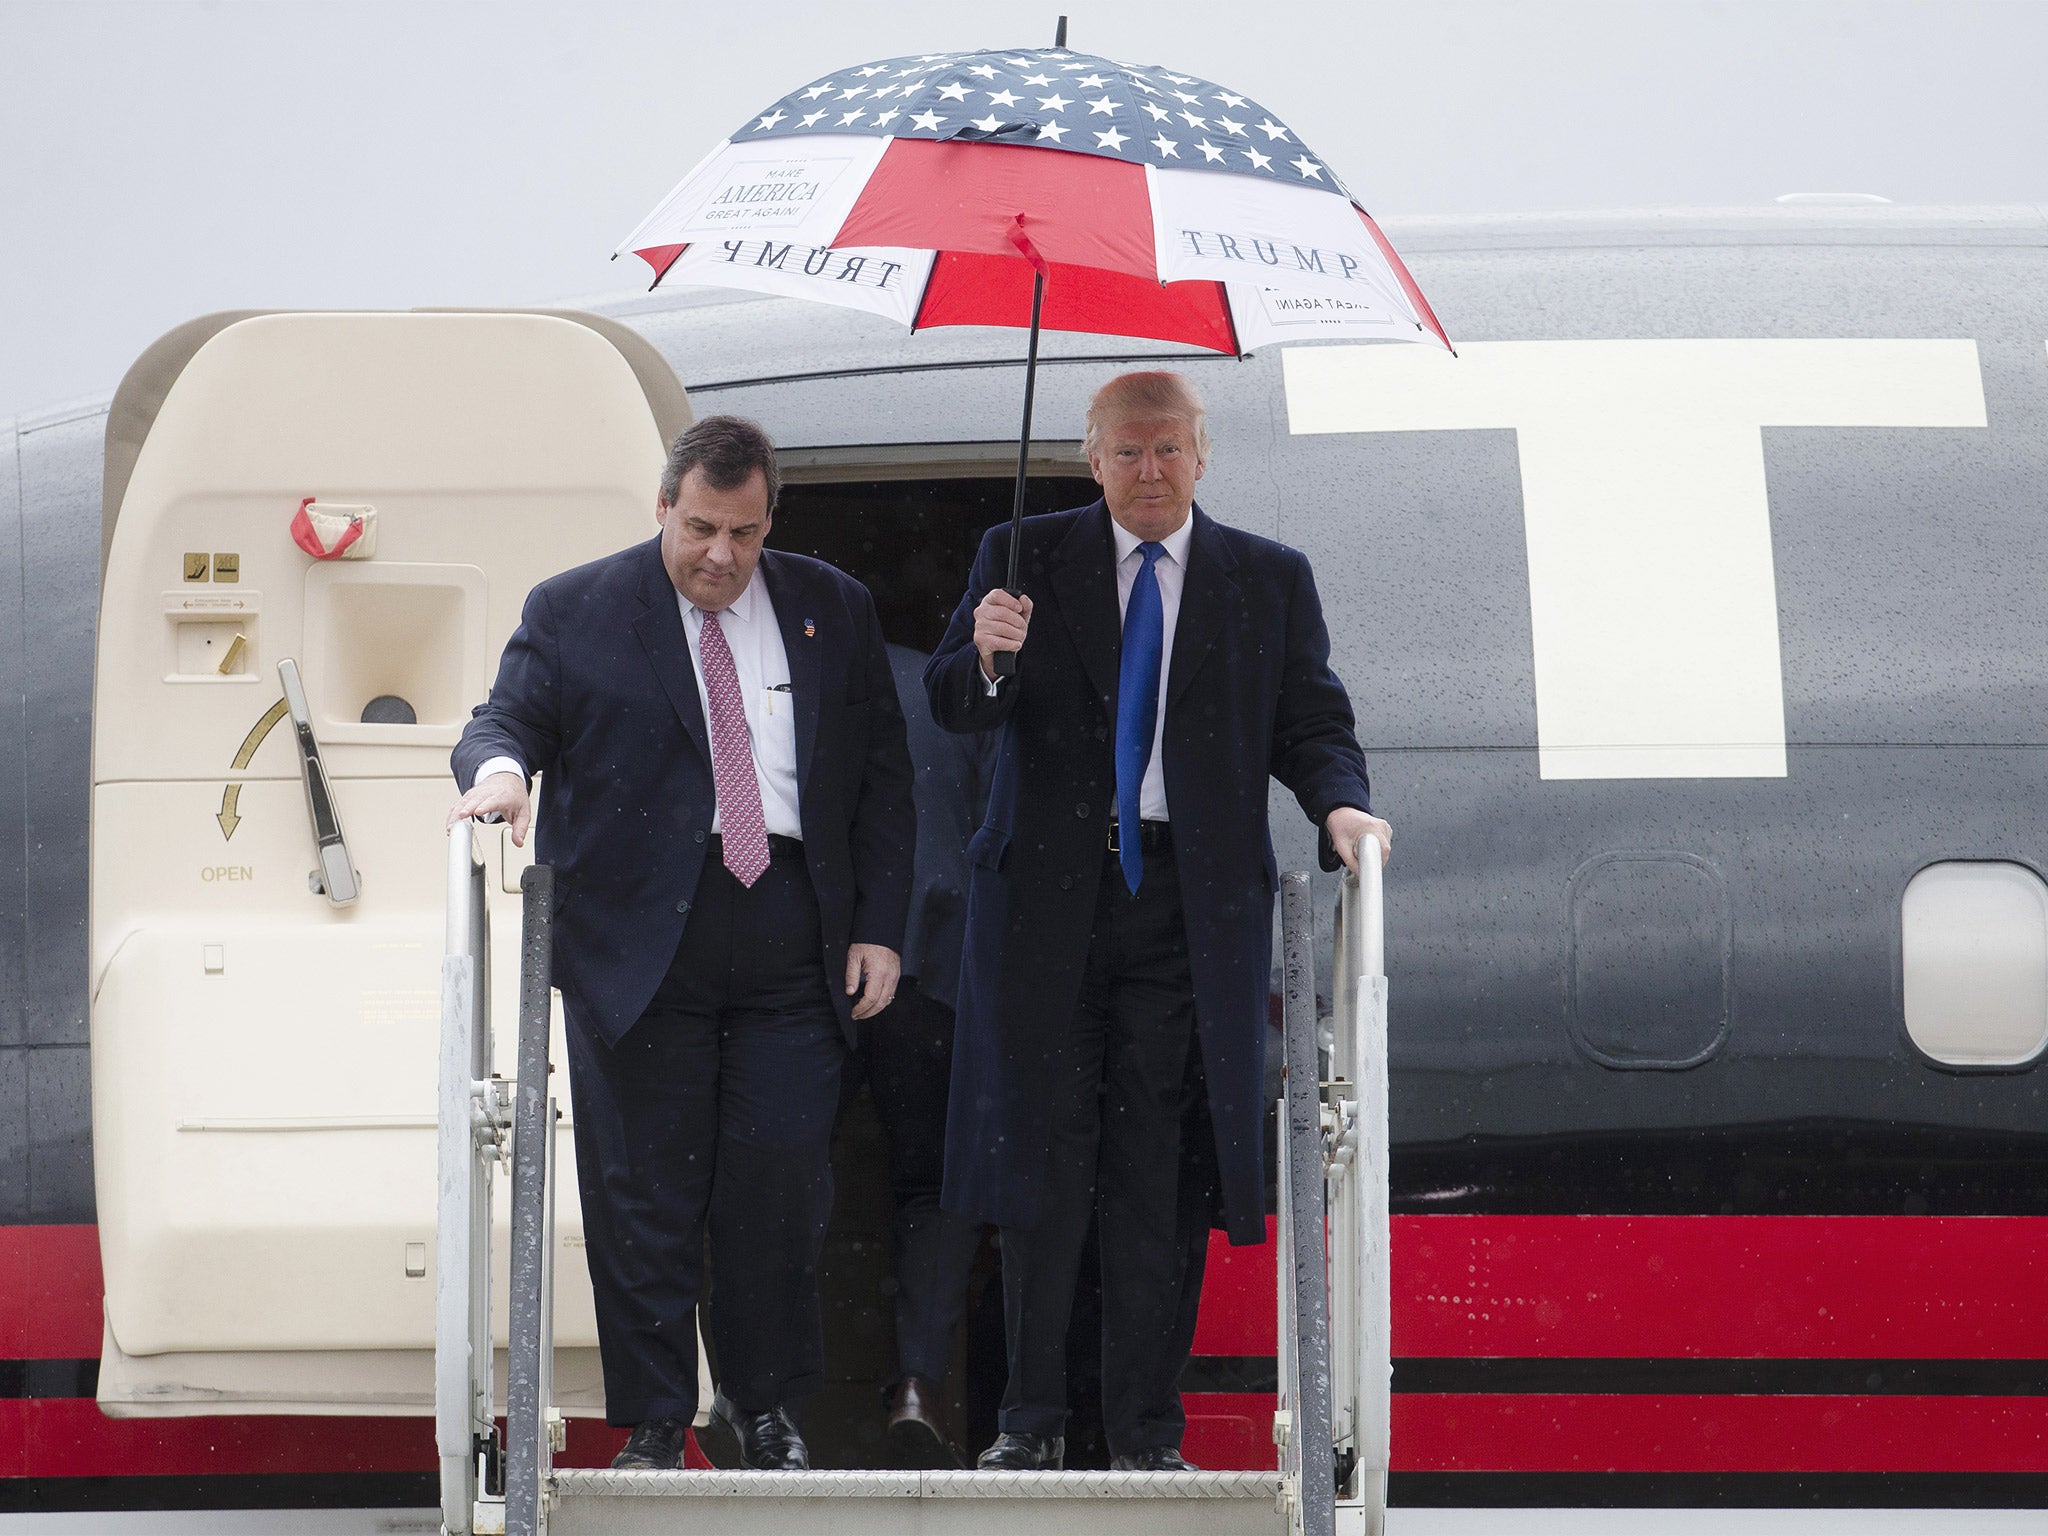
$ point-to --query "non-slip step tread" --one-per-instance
(603, 1483)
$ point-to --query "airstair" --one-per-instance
(1331, 1418)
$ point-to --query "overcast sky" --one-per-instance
(168, 158)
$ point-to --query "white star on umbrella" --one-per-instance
(1194, 121)
(1110, 140)
(772, 119)
(1038, 79)
(852, 91)
(986, 71)
(1210, 153)
(1104, 105)
(847, 119)
(1052, 131)
(953, 92)
(1073, 66)
(1141, 85)
(928, 121)
(817, 90)
(1273, 130)
(1159, 113)
(809, 118)
(1166, 147)
(1229, 100)
(1180, 80)
(1263, 162)
(887, 90)
(1184, 96)
(1053, 103)
(873, 70)
(1090, 82)
(1018, 63)
(1001, 99)
(1308, 168)
(882, 121)
(1231, 125)
(988, 124)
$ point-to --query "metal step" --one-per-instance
(605, 1503)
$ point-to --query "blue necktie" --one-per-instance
(1137, 706)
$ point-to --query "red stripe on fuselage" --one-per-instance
(1454, 1432)
(1721, 1287)
(49, 1293)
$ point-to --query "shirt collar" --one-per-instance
(1175, 543)
(743, 606)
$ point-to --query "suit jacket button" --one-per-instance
(700, 837)
(683, 907)
(1066, 882)
(1081, 810)
(1102, 733)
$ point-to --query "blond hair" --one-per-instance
(1144, 397)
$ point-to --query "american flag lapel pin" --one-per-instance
(810, 629)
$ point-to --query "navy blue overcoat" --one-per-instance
(596, 692)
(1249, 694)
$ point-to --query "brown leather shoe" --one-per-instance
(915, 1439)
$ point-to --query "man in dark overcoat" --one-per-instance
(728, 813)
(1109, 1059)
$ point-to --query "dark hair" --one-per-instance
(728, 449)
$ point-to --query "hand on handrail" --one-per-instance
(498, 795)
(1348, 827)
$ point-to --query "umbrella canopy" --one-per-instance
(970, 188)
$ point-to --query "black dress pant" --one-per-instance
(1131, 1147)
(906, 1053)
(714, 1112)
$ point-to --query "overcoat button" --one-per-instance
(700, 837)
(1066, 882)
(1081, 810)
(683, 907)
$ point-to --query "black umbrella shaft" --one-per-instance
(1005, 662)
(1024, 433)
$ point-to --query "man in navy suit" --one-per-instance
(728, 813)
(1110, 1047)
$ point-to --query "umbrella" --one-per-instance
(1040, 188)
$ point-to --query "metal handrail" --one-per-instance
(1361, 1329)
(530, 1333)
(1301, 1421)
(470, 1140)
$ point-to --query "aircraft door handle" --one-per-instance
(336, 875)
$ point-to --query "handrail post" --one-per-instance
(533, 1134)
(1362, 927)
(466, 1151)
(1303, 1288)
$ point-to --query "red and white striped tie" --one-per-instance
(732, 759)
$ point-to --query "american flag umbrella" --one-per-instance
(1031, 187)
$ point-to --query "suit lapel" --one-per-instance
(1207, 595)
(787, 594)
(1083, 578)
(660, 630)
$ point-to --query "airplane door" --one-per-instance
(366, 498)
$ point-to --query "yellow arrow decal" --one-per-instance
(231, 796)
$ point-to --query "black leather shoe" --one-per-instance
(915, 1439)
(1159, 1458)
(757, 1442)
(1023, 1453)
(656, 1445)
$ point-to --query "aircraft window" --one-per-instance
(1650, 942)
(1974, 939)
(912, 539)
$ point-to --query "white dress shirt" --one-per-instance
(1171, 570)
(762, 665)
